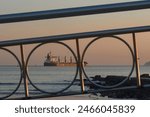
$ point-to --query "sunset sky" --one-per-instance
(106, 51)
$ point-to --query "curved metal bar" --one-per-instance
(62, 90)
(130, 73)
(19, 83)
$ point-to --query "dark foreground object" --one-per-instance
(124, 91)
(138, 93)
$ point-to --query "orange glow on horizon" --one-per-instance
(83, 24)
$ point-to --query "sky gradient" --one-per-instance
(96, 54)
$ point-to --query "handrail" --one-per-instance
(113, 33)
(68, 12)
(75, 36)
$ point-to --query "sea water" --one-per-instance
(47, 80)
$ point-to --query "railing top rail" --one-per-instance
(75, 36)
(68, 12)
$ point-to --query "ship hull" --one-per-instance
(59, 64)
(50, 64)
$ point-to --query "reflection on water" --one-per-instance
(53, 79)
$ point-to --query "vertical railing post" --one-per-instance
(79, 63)
(137, 66)
(24, 72)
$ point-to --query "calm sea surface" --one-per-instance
(54, 79)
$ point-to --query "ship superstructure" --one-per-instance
(55, 61)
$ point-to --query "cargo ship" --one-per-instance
(52, 60)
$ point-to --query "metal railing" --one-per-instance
(79, 57)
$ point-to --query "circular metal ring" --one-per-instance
(62, 90)
(123, 81)
(19, 83)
